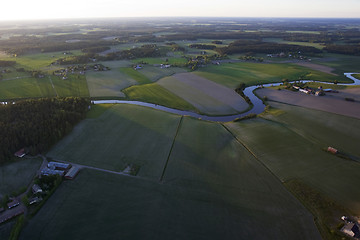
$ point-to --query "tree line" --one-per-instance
(37, 124)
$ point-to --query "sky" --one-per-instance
(45, 9)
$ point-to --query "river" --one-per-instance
(258, 105)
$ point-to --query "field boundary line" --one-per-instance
(172, 145)
(252, 153)
(52, 84)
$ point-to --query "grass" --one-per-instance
(122, 135)
(341, 63)
(5, 229)
(162, 60)
(74, 85)
(97, 110)
(327, 212)
(108, 83)
(16, 175)
(281, 41)
(154, 93)
(357, 76)
(215, 188)
(292, 148)
(232, 74)
(136, 75)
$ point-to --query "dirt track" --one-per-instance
(328, 103)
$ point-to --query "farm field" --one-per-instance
(341, 63)
(155, 93)
(141, 208)
(108, 83)
(232, 74)
(328, 103)
(281, 41)
(74, 85)
(122, 135)
(155, 73)
(207, 96)
(16, 175)
(290, 154)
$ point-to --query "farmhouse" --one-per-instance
(36, 189)
(352, 229)
(71, 174)
(35, 200)
(58, 166)
(20, 153)
(332, 150)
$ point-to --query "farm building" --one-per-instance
(58, 166)
(13, 203)
(332, 150)
(36, 189)
(351, 229)
(47, 172)
(35, 200)
(71, 174)
(21, 153)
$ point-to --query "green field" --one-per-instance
(232, 74)
(74, 85)
(357, 76)
(281, 41)
(124, 134)
(108, 83)
(136, 75)
(16, 175)
(38, 61)
(293, 148)
(210, 181)
(154, 93)
(341, 63)
(155, 73)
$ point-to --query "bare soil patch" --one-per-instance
(317, 67)
(326, 103)
(223, 94)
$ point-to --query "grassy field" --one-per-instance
(38, 61)
(213, 186)
(122, 135)
(136, 75)
(97, 110)
(108, 83)
(15, 175)
(155, 73)
(341, 63)
(281, 41)
(232, 74)
(357, 76)
(293, 148)
(154, 93)
(26, 88)
(74, 85)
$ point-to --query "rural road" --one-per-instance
(258, 105)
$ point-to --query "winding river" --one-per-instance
(258, 106)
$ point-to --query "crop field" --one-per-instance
(291, 154)
(281, 41)
(122, 135)
(172, 59)
(108, 83)
(38, 61)
(74, 85)
(155, 73)
(207, 96)
(155, 93)
(341, 63)
(232, 74)
(139, 77)
(15, 175)
(26, 88)
(194, 190)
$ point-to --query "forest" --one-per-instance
(37, 124)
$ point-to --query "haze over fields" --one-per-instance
(41, 9)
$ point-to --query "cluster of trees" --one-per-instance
(203, 46)
(240, 90)
(38, 123)
(248, 46)
(343, 49)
